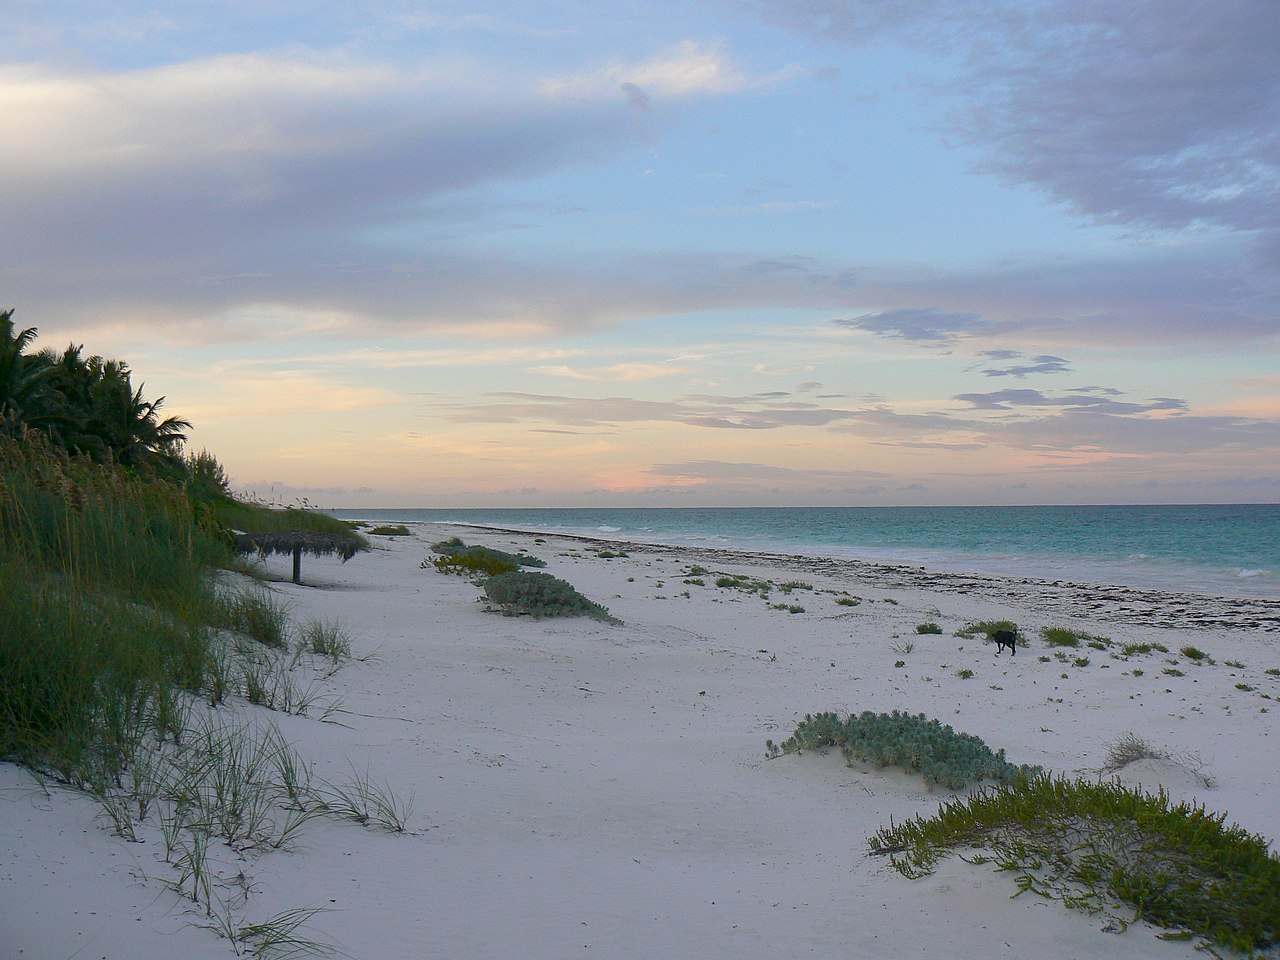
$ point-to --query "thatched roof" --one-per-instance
(299, 541)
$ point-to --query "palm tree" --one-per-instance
(23, 397)
(131, 426)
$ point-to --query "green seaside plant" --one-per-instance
(455, 556)
(1094, 844)
(915, 744)
(541, 595)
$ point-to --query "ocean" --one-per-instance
(1229, 550)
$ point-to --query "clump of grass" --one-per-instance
(541, 595)
(366, 802)
(390, 530)
(611, 554)
(790, 585)
(985, 628)
(461, 558)
(789, 607)
(1092, 845)
(253, 612)
(1196, 654)
(847, 601)
(745, 583)
(964, 674)
(280, 936)
(326, 638)
(1063, 636)
(914, 743)
(929, 627)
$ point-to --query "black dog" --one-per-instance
(1006, 638)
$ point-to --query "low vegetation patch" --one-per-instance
(928, 628)
(915, 744)
(1093, 845)
(985, 628)
(463, 559)
(1069, 637)
(541, 595)
(390, 530)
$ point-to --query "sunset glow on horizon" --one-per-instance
(709, 254)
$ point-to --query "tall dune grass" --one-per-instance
(106, 589)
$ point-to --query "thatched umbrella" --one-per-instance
(296, 542)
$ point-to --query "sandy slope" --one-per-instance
(584, 789)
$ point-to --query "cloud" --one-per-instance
(763, 412)
(266, 181)
(925, 324)
(615, 373)
(1078, 400)
(690, 68)
(1158, 113)
(1042, 364)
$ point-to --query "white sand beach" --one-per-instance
(596, 790)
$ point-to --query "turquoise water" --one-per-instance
(1220, 549)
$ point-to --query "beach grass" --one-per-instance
(119, 644)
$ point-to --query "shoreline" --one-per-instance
(1112, 602)
(602, 789)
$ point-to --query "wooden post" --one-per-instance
(297, 563)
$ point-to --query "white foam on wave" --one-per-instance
(1248, 573)
(606, 529)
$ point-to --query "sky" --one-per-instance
(714, 252)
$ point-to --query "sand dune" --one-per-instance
(588, 789)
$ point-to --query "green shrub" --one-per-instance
(847, 601)
(460, 558)
(1196, 654)
(913, 743)
(540, 595)
(390, 530)
(1090, 844)
(928, 628)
